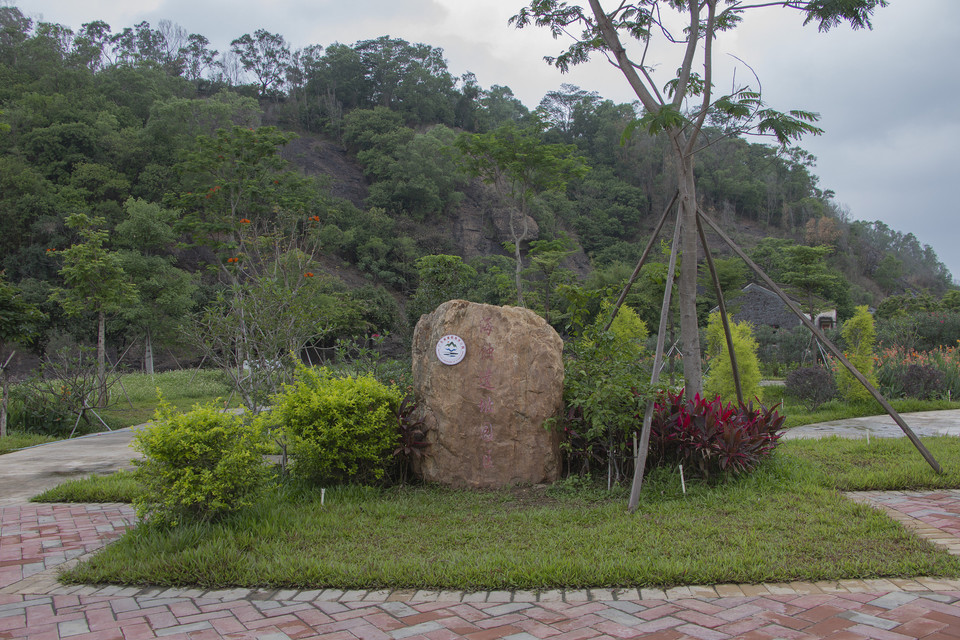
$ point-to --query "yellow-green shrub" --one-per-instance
(198, 465)
(630, 331)
(719, 379)
(339, 429)
(860, 336)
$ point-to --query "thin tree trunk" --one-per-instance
(683, 147)
(687, 286)
(102, 359)
(516, 250)
(148, 354)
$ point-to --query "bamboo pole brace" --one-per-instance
(723, 312)
(641, 459)
(830, 346)
(643, 259)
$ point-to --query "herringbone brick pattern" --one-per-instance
(889, 616)
(36, 539)
(933, 515)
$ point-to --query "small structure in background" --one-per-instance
(761, 306)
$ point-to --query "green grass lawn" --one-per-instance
(135, 402)
(883, 464)
(15, 440)
(120, 486)
(785, 522)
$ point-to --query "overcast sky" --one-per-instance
(888, 98)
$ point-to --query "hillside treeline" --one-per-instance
(174, 152)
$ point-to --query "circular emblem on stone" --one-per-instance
(451, 349)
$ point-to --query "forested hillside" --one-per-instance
(154, 186)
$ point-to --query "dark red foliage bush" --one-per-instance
(924, 381)
(708, 437)
(812, 385)
(412, 437)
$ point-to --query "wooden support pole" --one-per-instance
(829, 345)
(723, 312)
(113, 369)
(643, 259)
(640, 461)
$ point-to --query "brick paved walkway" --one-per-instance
(37, 539)
(933, 515)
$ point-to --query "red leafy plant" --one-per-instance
(412, 441)
(709, 438)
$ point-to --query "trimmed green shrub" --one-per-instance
(339, 429)
(719, 379)
(198, 466)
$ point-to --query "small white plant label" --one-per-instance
(451, 349)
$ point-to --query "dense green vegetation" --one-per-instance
(156, 201)
(306, 204)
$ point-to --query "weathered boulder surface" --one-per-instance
(486, 413)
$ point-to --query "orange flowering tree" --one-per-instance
(275, 302)
(238, 177)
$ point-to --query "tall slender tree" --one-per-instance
(680, 108)
(266, 55)
(519, 166)
(96, 283)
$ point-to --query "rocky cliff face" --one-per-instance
(319, 157)
(478, 226)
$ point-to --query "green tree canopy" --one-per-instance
(95, 282)
(519, 166)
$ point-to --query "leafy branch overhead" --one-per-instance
(592, 29)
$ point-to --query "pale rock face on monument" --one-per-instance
(486, 412)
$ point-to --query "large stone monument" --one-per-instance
(486, 379)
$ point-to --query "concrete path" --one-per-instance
(37, 541)
(927, 423)
(25, 473)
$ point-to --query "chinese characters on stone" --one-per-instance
(485, 381)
